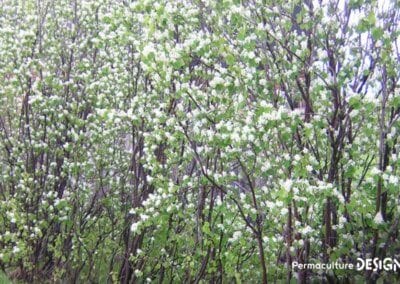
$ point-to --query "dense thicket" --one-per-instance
(198, 141)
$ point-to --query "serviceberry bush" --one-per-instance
(196, 141)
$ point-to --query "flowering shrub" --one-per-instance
(198, 141)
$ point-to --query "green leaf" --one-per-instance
(206, 228)
(242, 34)
(237, 278)
(179, 63)
(371, 18)
(355, 102)
(230, 59)
(396, 101)
(377, 33)
(354, 4)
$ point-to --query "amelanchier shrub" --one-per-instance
(188, 141)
